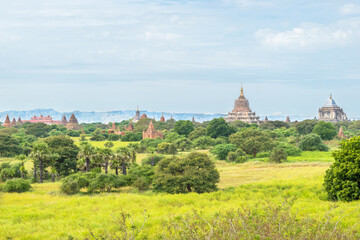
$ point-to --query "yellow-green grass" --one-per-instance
(315, 156)
(44, 213)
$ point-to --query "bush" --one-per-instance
(278, 155)
(10, 171)
(221, 151)
(342, 179)
(312, 142)
(183, 144)
(141, 177)
(193, 173)
(326, 130)
(156, 158)
(204, 142)
(291, 150)
(239, 156)
(166, 148)
(74, 183)
(16, 185)
(106, 182)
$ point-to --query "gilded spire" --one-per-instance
(242, 92)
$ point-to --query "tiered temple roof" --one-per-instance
(144, 116)
(137, 116)
(288, 120)
(13, 123)
(151, 132)
(64, 121)
(242, 111)
(162, 119)
(73, 123)
(7, 122)
(331, 112)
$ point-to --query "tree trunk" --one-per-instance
(152, 161)
(22, 175)
(106, 168)
(35, 177)
(254, 154)
(123, 167)
(41, 170)
(116, 170)
(53, 177)
(87, 164)
(188, 188)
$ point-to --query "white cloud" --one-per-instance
(249, 3)
(312, 35)
(350, 9)
(161, 36)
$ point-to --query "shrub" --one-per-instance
(141, 176)
(74, 183)
(156, 158)
(312, 142)
(70, 187)
(278, 155)
(193, 173)
(198, 132)
(106, 182)
(204, 142)
(342, 179)
(291, 150)
(10, 171)
(221, 151)
(183, 144)
(326, 130)
(16, 185)
(166, 148)
(239, 156)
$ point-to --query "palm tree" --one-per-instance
(41, 155)
(22, 158)
(86, 153)
(104, 155)
(122, 156)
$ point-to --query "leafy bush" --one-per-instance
(183, 144)
(278, 155)
(16, 185)
(10, 171)
(193, 173)
(312, 142)
(106, 182)
(221, 151)
(204, 142)
(239, 156)
(141, 177)
(326, 130)
(291, 150)
(198, 132)
(155, 157)
(166, 148)
(74, 183)
(342, 179)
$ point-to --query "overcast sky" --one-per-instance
(180, 56)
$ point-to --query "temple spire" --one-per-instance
(242, 92)
(330, 95)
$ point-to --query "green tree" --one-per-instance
(41, 157)
(40, 130)
(122, 157)
(198, 132)
(85, 155)
(326, 130)
(104, 156)
(192, 173)
(166, 148)
(342, 179)
(221, 151)
(183, 127)
(67, 152)
(278, 155)
(9, 146)
(219, 127)
(252, 141)
(305, 127)
(312, 142)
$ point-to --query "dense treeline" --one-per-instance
(55, 155)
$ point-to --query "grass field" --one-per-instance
(44, 213)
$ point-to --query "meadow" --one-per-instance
(45, 213)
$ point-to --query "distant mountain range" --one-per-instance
(117, 116)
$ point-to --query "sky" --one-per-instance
(180, 56)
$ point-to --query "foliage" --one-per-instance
(148, 142)
(72, 184)
(113, 137)
(40, 130)
(172, 136)
(238, 156)
(305, 127)
(312, 142)
(278, 155)
(9, 146)
(342, 179)
(193, 173)
(290, 149)
(106, 182)
(85, 155)
(326, 130)
(16, 185)
(183, 144)
(141, 177)
(131, 137)
(221, 151)
(204, 142)
(166, 148)
(8, 171)
(219, 127)
(153, 157)
(198, 132)
(67, 152)
(183, 127)
(252, 141)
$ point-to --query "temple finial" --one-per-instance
(330, 95)
(242, 92)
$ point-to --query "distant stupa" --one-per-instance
(242, 111)
(73, 123)
(7, 122)
(137, 116)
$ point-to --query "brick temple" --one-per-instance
(331, 112)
